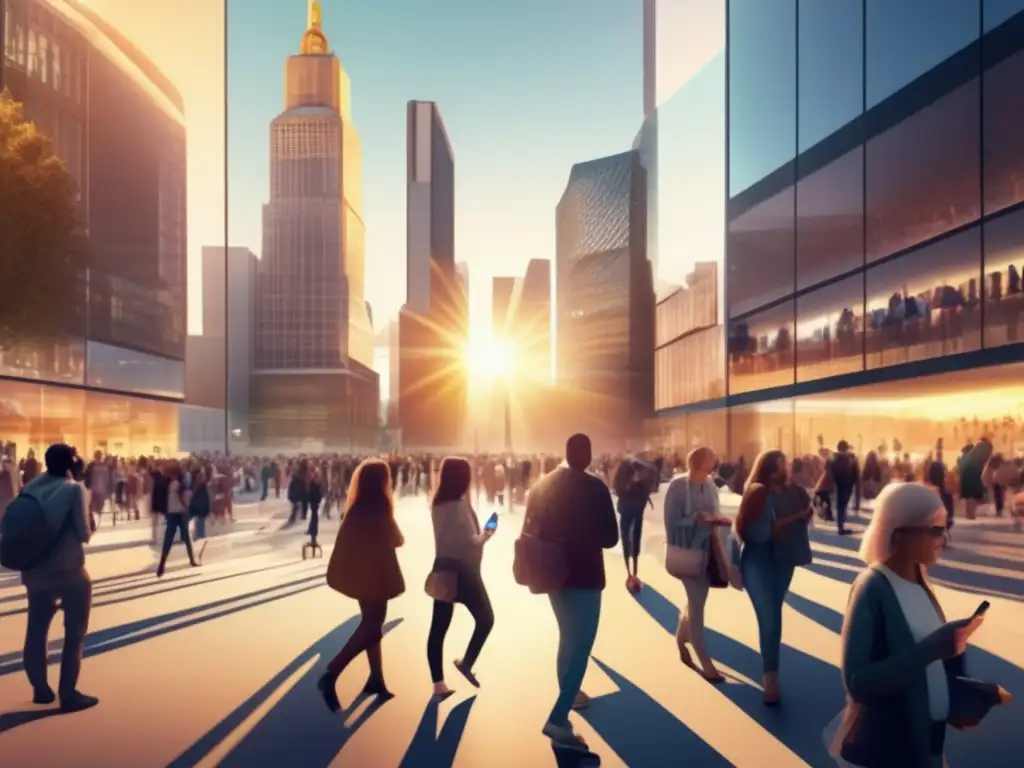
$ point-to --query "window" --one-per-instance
(761, 254)
(830, 330)
(57, 57)
(9, 32)
(761, 427)
(690, 370)
(926, 303)
(831, 67)
(830, 220)
(1004, 266)
(995, 12)
(33, 53)
(1003, 132)
(761, 350)
(762, 89)
(906, 38)
(923, 175)
(44, 59)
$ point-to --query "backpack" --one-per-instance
(25, 538)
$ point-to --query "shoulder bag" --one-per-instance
(687, 562)
(539, 564)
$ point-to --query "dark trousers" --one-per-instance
(472, 594)
(366, 639)
(265, 491)
(176, 523)
(999, 499)
(843, 495)
(75, 599)
(631, 528)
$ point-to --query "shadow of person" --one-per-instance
(11, 720)
(298, 729)
(812, 689)
(429, 748)
(1000, 732)
(642, 732)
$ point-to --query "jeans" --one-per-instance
(176, 523)
(578, 613)
(631, 527)
(843, 495)
(473, 594)
(76, 601)
(766, 581)
(366, 638)
(200, 527)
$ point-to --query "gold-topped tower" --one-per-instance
(314, 41)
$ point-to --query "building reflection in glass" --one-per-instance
(761, 349)
(1004, 265)
(830, 330)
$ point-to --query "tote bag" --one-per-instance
(687, 562)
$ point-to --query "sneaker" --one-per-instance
(582, 701)
(43, 696)
(563, 737)
(76, 702)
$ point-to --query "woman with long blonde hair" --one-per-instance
(364, 566)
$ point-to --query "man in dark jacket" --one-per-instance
(575, 509)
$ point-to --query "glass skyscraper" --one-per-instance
(875, 228)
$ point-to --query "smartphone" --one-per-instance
(492, 522)
(981, 609)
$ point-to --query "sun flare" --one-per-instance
(489, 359)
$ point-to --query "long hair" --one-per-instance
(370, 489)
(453, 480)
(765, 468)
(899, 505)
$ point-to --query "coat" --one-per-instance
(364, 563)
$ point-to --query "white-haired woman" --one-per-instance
(692, 513)
(903, 663)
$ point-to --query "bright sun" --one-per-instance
(488, 359)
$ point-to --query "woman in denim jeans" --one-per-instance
(762, 524)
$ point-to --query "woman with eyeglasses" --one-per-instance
(903, 663)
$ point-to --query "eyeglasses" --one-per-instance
(932, 531)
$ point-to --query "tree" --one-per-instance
(42, 254)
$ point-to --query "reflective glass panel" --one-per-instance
(831, 64)
(679, 381)
(1004, 266)
(130, 371)
(761, 427)
(829, 330)
(761, 254)
(830, 220)
(923, 175)
(762, 89)
(906, 38)
(995, 12)
(1003, 129)
(761, 350)
(927, 303)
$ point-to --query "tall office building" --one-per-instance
(432, 324)
(118, 124)
(502, 289)
(313, 385)
(528, 325)
(875, 225)
(605, 296)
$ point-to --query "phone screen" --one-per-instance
(492, 522)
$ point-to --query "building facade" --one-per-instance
(528, 326)
(119, 126)
(605, 295)
(874, 229)
(502, 289)
(432, 324)
(312, 380)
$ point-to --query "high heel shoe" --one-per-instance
(375, 687)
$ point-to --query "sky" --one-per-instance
(526, 89)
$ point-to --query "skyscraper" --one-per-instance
(501, 299)
(312, 379)
(528, 323)
(433, 321)
(605, 295)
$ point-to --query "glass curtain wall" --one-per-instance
(876, 183)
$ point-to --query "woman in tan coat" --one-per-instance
(364, 566)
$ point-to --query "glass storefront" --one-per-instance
(36, 416)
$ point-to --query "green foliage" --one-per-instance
(42, 253)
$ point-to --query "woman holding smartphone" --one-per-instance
(455, 578)
(903, 662)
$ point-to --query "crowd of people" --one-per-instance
(903, 662)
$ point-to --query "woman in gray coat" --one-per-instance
(903, 662)
(691, 514)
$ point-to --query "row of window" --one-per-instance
(44, 57)
(937, 170)
(931, 302)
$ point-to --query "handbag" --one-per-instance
(442, 585)
(718, 564)
(686, 563)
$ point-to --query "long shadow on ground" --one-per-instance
(298, 730)
(812, 689)
(999, 741)
(111, 639)
(430, 749)
(644, 733)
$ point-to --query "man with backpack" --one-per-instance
(43, 535)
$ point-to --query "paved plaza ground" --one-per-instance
(218, 665)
